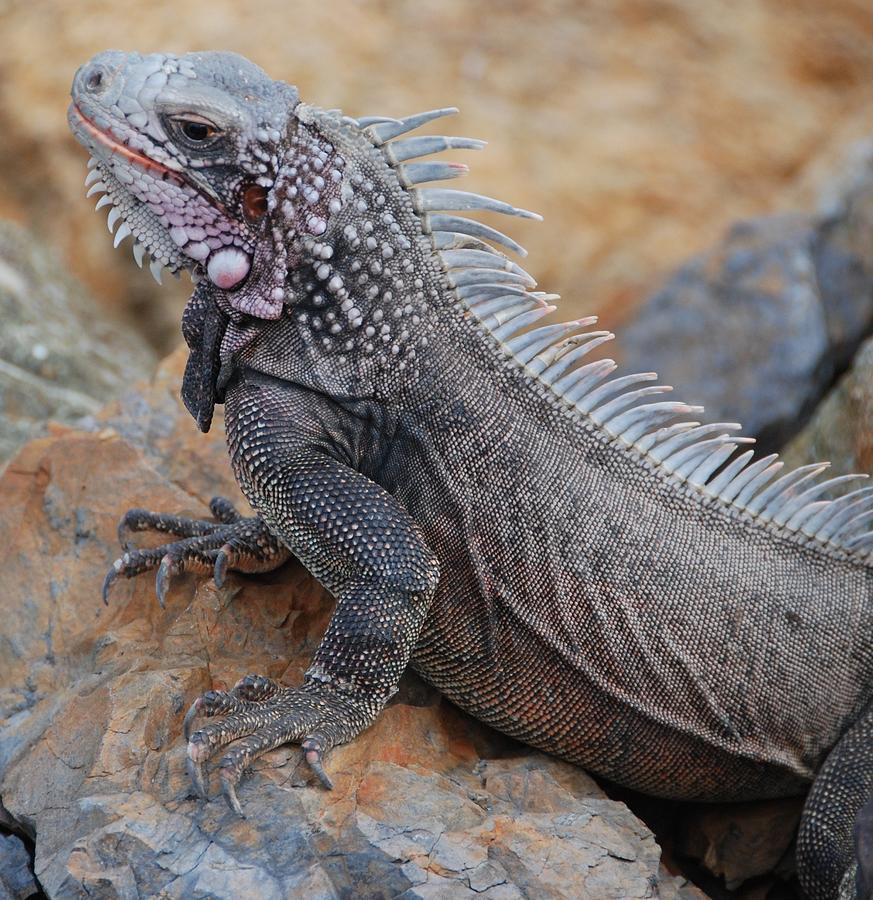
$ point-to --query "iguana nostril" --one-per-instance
(94, 79)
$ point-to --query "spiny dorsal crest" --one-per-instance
(502, 296)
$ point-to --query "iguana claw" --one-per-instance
(221, 562)
(162, 579)
(199, 777)
(111, 575)
(312, 753)
(190, 716)
(232, 542)
(228, 788)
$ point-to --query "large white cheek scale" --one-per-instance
(227, 268)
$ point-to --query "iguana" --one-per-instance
(567, 555)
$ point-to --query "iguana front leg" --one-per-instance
(361, 545)
(286, 445)
(364, 548)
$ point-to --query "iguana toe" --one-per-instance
(224, 510)
(236, 542)
(262, 715)
(256, 688)
(136, 520)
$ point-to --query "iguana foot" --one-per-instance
(261, 715)
(236, 542)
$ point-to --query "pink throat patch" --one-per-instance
(227, 268)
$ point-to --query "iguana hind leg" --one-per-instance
(836, 828)
(234, 541)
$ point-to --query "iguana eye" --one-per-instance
(195, 129)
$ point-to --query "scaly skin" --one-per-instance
(476, 512)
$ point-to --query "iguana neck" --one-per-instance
(363, 293)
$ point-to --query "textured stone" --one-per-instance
(427, 803)
(61, 357)
(742, 840)
(841, 430)
(740, 330)
(757, 328)
(16, 877)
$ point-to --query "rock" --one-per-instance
(16, 876)
(843, 259)
(742, 840)
(841, 430)
(758, 328)
(427, 803)
(740, 329)
(61, 358)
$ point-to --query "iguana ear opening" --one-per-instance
(254, 284)
(254, 203)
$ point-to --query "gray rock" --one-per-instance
(61, 357)
(16, 876)
(758, 328)
(841, 429)
(741, 329)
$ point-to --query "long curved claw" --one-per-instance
(221, 563)
(123, 530)
(228, 788)
(165, 572)
(190, 716)
(111, 575)
(199, 777)
(198, 753)
(312, 753)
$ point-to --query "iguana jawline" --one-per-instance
(146, 163)
(132, 156)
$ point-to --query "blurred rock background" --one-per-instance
(639, 128)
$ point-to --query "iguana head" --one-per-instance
(214, 167)
(285, 211)
(187, 150)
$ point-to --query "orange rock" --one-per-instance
(91, 757)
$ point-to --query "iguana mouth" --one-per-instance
(120, 149)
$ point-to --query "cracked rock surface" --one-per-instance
(427, 803)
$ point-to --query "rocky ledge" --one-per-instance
(427, 803)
